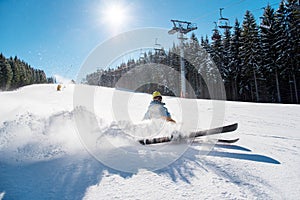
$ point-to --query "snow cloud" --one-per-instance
(61, 79)
(2, 195)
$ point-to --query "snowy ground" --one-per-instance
(45, 155)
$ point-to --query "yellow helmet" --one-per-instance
(156, 94)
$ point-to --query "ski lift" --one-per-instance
(157, 47)
(182, 27)
(223, 22)
(216, 35)
(263, 24)
(159, 50)
(143, 56)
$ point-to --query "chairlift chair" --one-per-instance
(182, 27)
(263, 25)
(223, 22)
(158, 50)
(216, 35)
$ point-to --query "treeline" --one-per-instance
(257, 62)
(15, 73)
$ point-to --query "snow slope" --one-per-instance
(44, 154)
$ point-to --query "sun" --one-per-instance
(115, 15)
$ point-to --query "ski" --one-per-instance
(228, 140)
(225, 141)
(213, 131)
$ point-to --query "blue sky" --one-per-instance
(57, 35)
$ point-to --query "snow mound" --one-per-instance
(32, 138)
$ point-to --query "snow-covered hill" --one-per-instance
(45, 154)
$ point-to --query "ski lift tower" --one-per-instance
(182, 28)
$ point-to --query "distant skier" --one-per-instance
(58, 88)
(157, 109)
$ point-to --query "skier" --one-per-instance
(58, 87)
(157, 109)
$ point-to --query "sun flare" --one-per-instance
(115, 15)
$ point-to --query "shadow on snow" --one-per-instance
(182, 169)
(68, 178)
(63, 178)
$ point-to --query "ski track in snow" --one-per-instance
(43, 157)
(246, 182)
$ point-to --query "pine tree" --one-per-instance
(194, 57)
(22, 75)
(15, 69)
(227, 72)
(235, 61)
(249, 52)
(7, 75)
(269, 68)
(293, 29)
(217, 54)
(2, 75)
(204, 67)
